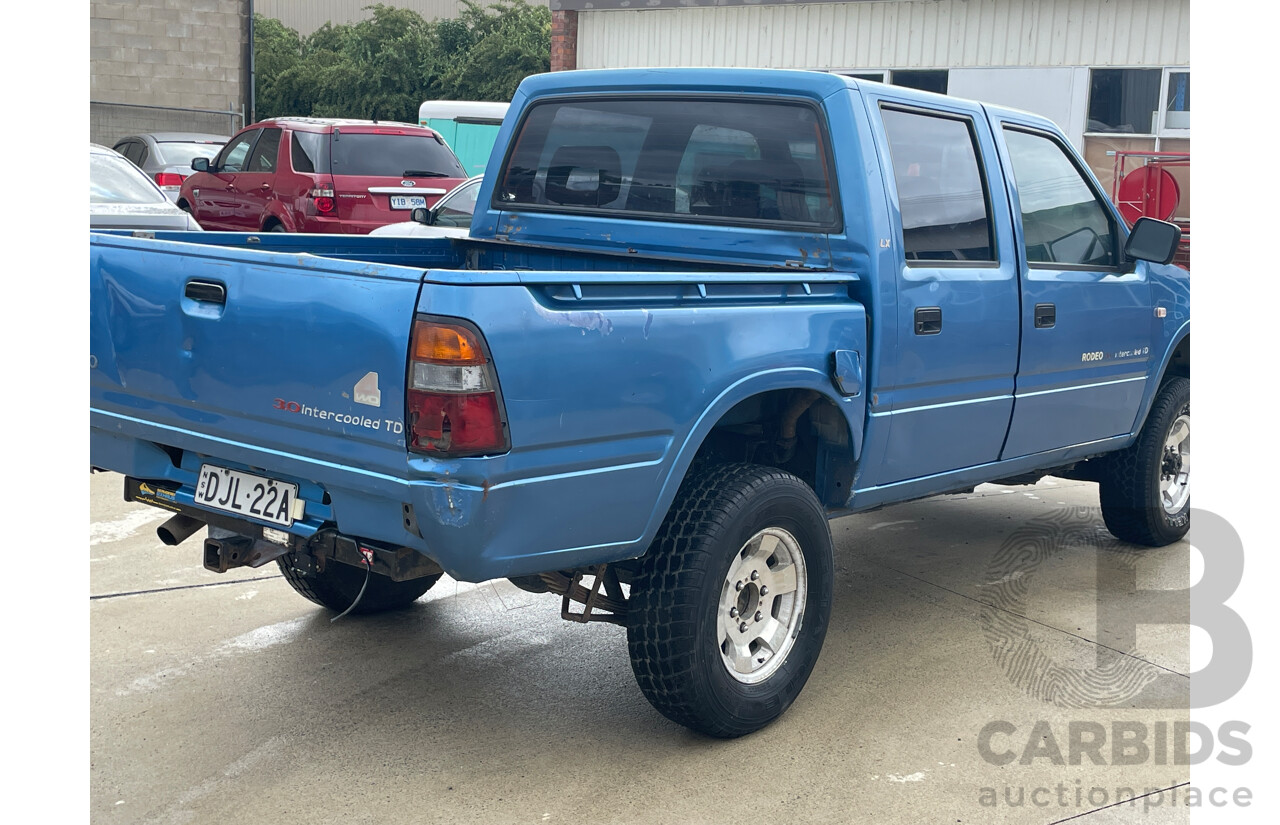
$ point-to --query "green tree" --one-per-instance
(385, 66)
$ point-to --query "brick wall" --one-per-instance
(564, 40)
(179, 53)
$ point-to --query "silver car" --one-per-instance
(122, 197)
(166, 156)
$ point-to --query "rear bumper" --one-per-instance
(474, 532)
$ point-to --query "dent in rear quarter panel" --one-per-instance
(608, 402)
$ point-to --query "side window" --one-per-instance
(941, 192)
(265, 152)
(301, 155)
(129, 149)
(457, 208)
(1063, 220)
(236, 152)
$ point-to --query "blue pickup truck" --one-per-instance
(699, 313)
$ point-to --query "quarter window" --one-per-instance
(1063, 221)
(941, 194)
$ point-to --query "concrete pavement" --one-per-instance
(231, 698)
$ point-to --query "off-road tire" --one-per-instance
(676, 592)
(337, 587)
(1129, 485)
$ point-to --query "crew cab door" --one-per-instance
(1086, 316)
(217, 199)
(256, 181)
(946, 387)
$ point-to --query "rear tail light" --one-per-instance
(454, 407)
(322, 197)
(164, 179)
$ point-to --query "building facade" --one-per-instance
(167, 65)
(1113, 74)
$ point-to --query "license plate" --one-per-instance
(408, 201)
(246, 494)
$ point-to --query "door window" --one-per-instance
(941, 191)
(1064, 222)
(265, 153)
(236, 152)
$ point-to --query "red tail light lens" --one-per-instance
(169, 179)
(454, 407)
(322, 198)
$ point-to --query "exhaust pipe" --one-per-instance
(178, 529)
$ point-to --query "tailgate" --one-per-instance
(291, 353)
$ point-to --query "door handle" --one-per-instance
(928, 320)
(1046, 316)
(265, 186)
(209, 292)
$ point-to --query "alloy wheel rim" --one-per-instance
(1175, 465)
(761, 605)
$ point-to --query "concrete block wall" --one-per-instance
(174, 53)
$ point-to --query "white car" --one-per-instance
(449, 218)
(121, 196)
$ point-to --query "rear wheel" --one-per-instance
(729, 608)
(339, 584)
(1145, 490)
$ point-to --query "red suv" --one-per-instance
(314, 175)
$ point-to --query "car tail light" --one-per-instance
(454, 407)
(322, 197)
(169, 179)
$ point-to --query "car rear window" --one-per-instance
(391, 156)
(116, 180)
(173, 153)
(731, 161)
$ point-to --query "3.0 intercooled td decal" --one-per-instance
(356, 420)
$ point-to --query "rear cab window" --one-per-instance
(720, 161)
(390, 154)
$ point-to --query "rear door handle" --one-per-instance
(928, 320)
(209, 292)
(1046, 316)
(265, 186)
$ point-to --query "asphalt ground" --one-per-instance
(979, 645)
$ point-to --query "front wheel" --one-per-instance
(729, 609)
(1145, 490)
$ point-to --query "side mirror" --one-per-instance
(200, 164)
(423, 216)
(1153, 240)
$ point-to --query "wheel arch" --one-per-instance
(760, 399)
(1175, 361)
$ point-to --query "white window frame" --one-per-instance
(1165, 131)
(1161, 112)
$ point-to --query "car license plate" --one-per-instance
(408, 201)
(246, 494)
